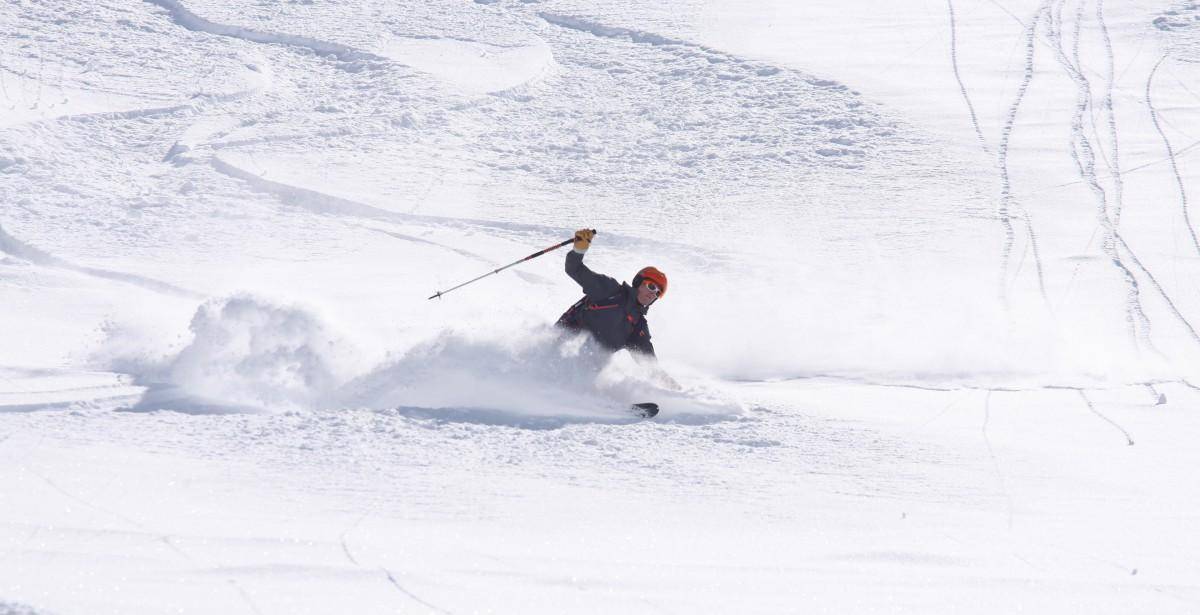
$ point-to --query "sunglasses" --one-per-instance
(652, 287)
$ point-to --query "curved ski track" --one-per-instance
(958, 77)
(187, 19)
(1114, 159)
(140, 527)
(1134, 307)
(1006, 199)
(327, 204)
(1090, 406)
(391, 579)
(1161, 291)
(1183, 201)
(14, 247)
(197, 104)
(312, 200)
(1085, 163)
(1086, 167)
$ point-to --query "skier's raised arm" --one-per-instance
(595, 285)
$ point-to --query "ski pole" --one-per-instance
(530, 257)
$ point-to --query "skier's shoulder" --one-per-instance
(622, 294)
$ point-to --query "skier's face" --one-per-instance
(648, 293)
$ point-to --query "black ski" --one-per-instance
(645, 410)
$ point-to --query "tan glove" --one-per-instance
(583, 239)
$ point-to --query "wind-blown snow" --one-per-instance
(930, 343)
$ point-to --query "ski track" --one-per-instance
(185, 18)
(1037, 255)
(949, 388)
(834, 152)
(413, 239)
(1161, 291)
(75, 498)
(115, 401)
(528, 277)
(637, 36)
(1006, 198)
(346, 546)
(392, 579)
(14, 247)
(1113, 160)
(987, 413)
(1133, 169)
(1134, 308)
(1086, 167)
(1092, 408)
(958, 77)
(245, 596)
(1008, 12)
(1183, 201)
(141, 528)
(688, 96)
(197, 104)
(327, 204)
(1084, 158)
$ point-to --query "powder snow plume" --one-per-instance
(249, 354)
(534, 378)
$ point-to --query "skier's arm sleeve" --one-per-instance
(641, 346)
(595, 285)
(643, 350)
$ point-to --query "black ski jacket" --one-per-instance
(609, 310)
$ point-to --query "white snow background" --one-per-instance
(934, 306)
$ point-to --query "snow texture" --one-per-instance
(932, 342)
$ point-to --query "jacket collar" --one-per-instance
(632, 302)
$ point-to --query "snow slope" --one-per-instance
(932, 310)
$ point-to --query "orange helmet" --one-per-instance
(652, 274)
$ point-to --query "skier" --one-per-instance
(613, 312)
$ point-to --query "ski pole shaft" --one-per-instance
(527, 258)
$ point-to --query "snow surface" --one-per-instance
(933, 314)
